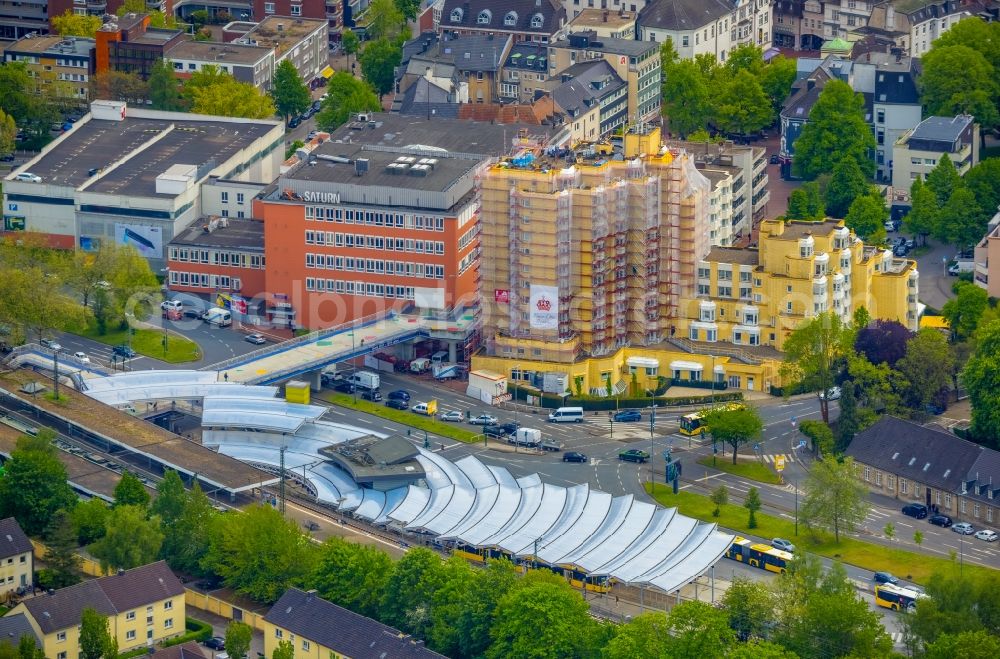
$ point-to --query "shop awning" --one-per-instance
(643, 362)
(327, 72)
(685, 366)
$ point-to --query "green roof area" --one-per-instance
(837, 44)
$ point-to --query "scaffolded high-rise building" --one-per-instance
(580, 259)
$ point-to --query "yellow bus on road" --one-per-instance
(758, 554)
(897, 598)
(692, 424)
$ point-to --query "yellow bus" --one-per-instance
(897, 598)
(758, 554)
(691, 424)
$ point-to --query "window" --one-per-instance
(277, 632)
(168, 623)
(693, 334)
(296, 10)
(947, 502)
(685, 40)
(169, 604)
(268, 7)
(903, 486)
(456, 15)
(239, 197)
(305, 645)
(130, 615)
(61, 655)
(130, 635)
(880, 116)
(878, 478)
(484, 17)
(61, 636)
(536, 21)
(510, 18)
(225, 197)
(868, 473)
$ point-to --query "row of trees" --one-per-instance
(33, 107)
(952, 208)
(844, 193)
(739, 97)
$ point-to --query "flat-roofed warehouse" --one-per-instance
(122, 433)
(135, 176)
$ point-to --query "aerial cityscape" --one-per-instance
(538, 329)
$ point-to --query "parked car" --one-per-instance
(397, 404)
(171, 305)
(783, 545)
(344, 387)
(833, 393)
(29, 177)
(81, 357)
(987, 535)
(633, 455)
(494, 431)
(917, 510)
(374, 395)
(294, 123)
(7, 157)
(899, 251)
(52, 344)
(451, 415)
(123, 351)
(940, 520)
(964, 528)
(216, 643)
(311, 135)
(910, 243)
(255, 339)
(628, 415)
(885, 577)
(574, 456)
(317, 104)
(483, 420)
(399, 394)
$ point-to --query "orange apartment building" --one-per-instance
(359, 230)
(218, 256)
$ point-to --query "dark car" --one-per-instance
(123, 351)
(574, 456)
(509, 428)
(397, 404)
(216, 643)
(373, 395)
(494, 431)
(344, 387)
(628, 415)
(885, 577)
(7, 157)
(917, 510)
(317, 105)
(940, 520)
(399, 394)
(294, 123)
(633, 455)
(774, 159)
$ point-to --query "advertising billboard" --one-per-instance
(543, 307)
(146, 239)
(501, 296)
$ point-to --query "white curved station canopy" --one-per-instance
(467, 502)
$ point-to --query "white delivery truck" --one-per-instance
(420, 365)
(365, 380)
(525, 437)
(218, 316)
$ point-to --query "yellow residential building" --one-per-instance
(318, 629)
(144, 606)
(757, 297)
(16, 562)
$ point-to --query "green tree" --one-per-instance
(33, 486)
(851, 420)
(924, 211)
(984, 181)
(186, 519)
(259, 553)
(819, 434)
(285, 650)
(385, 20)
(961, 222)
(32, 304)
(238, 637)
(199, 18)
(957, 603)
(889, 531)
(836, 125)
(981, 377)
(776, 79)
(542, 618)
(720, 497)
(27, 648)
(806, 203)
(867, 217)
(927, 366)
(61, 558)
(291, 95)
(752, 504)
(119, 86)
(352, 575)
(834, 497)
(32, 112)
(171, 497)
(156, 18)
(741, 106)
(959, 80)
(445, 630)
(478, 603)
(734, 426)
(409, 594)
(408, 8)
(164, 88)
(8, 132)
(977, 34)
(943, 180)
(349, 43)
(760, 650)
(89, 518)
(131, 492)
(750, 606)
(964, 311)
(347, 96)
(687, 104)
(215, 92)
(812, 352)
(75, 25)
(697, 629)
(96, 642)
(979, 644)
(846, 184)
(918, 538)
(745, 57)
(378, 64)
(129, 539)
(643, 636)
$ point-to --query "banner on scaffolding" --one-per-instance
(544, 307)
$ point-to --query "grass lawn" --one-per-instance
(746, 468)
(405, 417)
(904, 564)
(150, 343)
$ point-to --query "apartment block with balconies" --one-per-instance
(917, 151)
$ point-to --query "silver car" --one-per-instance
(964, 528)
(783, 545)
(453, 415)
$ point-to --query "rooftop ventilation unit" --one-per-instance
(360, 166)
(420, 170)
(396, 167)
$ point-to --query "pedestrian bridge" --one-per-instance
(311, 353)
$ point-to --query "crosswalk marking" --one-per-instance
(768, 458)
(897, 638)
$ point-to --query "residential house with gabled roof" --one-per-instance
(144, 605)
(524, 20)
(16, 561)
(929, 465)
(319, 629)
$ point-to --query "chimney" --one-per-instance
(120, 572)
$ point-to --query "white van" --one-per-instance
(218, 316)
(439, 357)
(567, 415)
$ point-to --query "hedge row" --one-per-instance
(197, 631)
